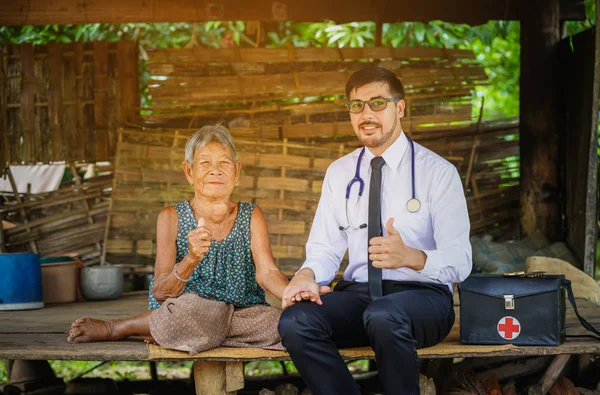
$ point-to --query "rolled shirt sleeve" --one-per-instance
(451, 261)
(326, 244)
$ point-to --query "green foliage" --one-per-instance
(574, 27)
(496, 46)
(3, 373)
(150, 35)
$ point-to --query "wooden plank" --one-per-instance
(276, 160)
(28, 103)
(541, 117)
(288, 204)
(283, 251)
(41, 334)
(281, 86)
(150, 175)
(101, 110)
(288, 184)
(204, 61)
(55, 346)
(581, 165)
(128, 82)
(55, 97)
(40, 12)
(196, 55)
(119, 247)
(4, 150)
(286, 227)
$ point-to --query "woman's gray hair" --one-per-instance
(208, 134)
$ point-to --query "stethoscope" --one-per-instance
(413, 205)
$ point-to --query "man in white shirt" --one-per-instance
(408, 242)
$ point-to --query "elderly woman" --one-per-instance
(213, 260)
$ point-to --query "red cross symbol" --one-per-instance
(509, 328)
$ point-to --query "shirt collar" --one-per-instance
(393, 154)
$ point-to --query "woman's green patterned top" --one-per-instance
(227, 271)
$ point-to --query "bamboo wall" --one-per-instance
(69, 220)
(285, 179)
(63, 102)
(284, 108)
(297, 93)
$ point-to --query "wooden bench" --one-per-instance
(41, 334)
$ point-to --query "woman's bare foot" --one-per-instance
(86, 329)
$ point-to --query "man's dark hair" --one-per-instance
(375, 74)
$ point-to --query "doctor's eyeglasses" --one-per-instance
(375, 104)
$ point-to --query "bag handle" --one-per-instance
(586, 325)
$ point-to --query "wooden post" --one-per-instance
(128, 83)
(101, 109)
(378, 33)
(541, 119)
(80, 140)
(4, 151)
(218, 378)
(579, 61)
(55, 105)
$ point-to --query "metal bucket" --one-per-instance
(101, 282)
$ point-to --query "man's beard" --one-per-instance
(367, 142)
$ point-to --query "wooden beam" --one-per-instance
(541, 119)
(42, 12)
(579, 59)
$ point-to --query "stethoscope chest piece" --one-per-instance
(413, 205)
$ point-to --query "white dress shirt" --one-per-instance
(440, 228)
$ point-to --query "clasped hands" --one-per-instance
(386, 252)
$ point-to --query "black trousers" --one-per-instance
(409, 316)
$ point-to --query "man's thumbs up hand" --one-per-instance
(390, 252)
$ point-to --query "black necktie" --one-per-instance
(377, 163)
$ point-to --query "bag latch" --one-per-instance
(509, 302)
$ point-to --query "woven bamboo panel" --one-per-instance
(282, 177)
(198, 55)
(285, 179)
(69, 220)
(63, 102)
(268, 87)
